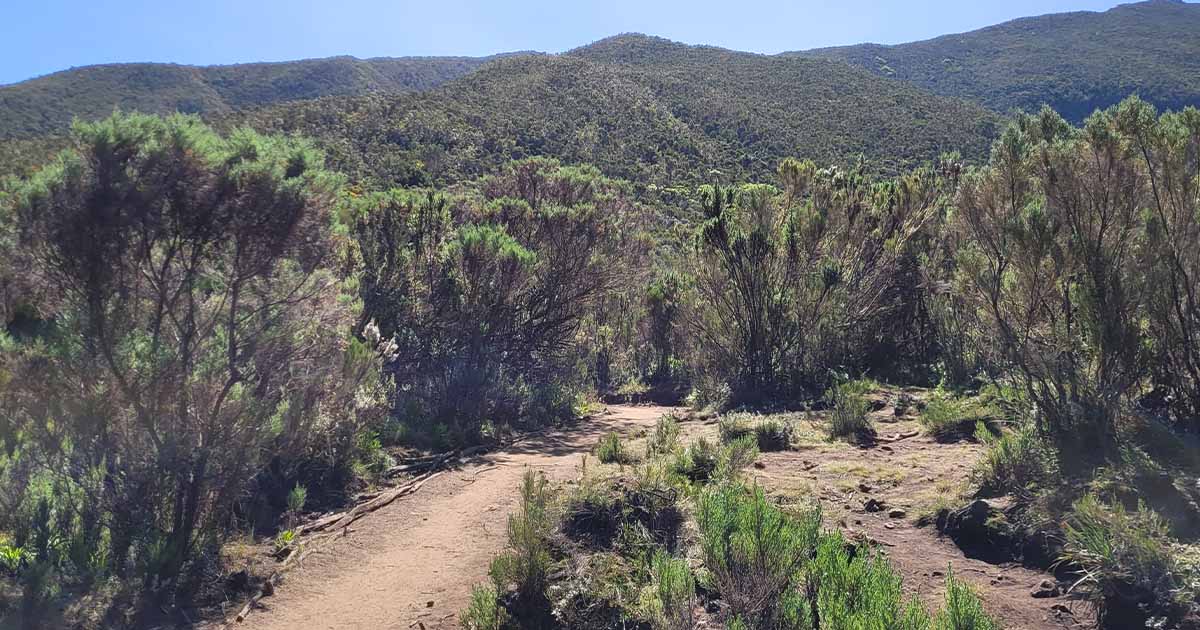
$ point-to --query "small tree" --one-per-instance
(195, 319)
(1052, 234)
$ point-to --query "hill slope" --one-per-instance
(1075, 62)
(47, 104)
(641, 108)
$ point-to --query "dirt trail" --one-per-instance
(413, 563)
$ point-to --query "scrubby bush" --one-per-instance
(697, 462)
(487, 296)
(611, 450)
(947, 418)
(1126, 564)
(752, 549)
(963, 610)
(665, 438)
(1015, 463)
(198, 355)
(858, 588)
(792, 282)
(526, 561)
(769, 432)
(485, 611)
(675, 592)
(848, 413)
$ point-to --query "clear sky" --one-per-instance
(42, 36)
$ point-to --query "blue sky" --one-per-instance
(41, 36)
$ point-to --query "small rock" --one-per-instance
(872, 505)
(937, 574)
(429, 604)
(863, 487)
(889, 526)
(268, 588)
(896, 513)
(887, 449)
(759, 465)
(1046, 589)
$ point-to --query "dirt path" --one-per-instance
(413, 563)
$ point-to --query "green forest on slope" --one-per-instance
(1074, 62)
(639, 108)
(47, 104)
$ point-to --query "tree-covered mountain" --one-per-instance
(1075, 62)
(47, 104)
(641, 108)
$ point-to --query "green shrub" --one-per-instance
(525, 562)
(860, 589)
(611, 450)
(675, 591)
(963, 610)
(848, 411)
(484, 612)
(1015, 463)
(734, 427)
(296, 498)
(1124, 559)
(752, 549)
(665, 438)
(773, 434)
(947, 418)
(736, 456)
(698, 461)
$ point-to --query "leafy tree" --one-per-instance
(194, 322)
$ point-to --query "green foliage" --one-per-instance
(963, 610)
(946, 417)
(698, 461)
(525, 563)
(675, 591)
(47, 104)
(859, 589)
(197, 346)
(1125, 562)
(1143, 48)
(752, 549)
(296, 498)
(485, 611)
(665, 438)
(1016, 463)
(848, 410)
(284, 540)
(484, 297)
(639, 108)
(611, 450)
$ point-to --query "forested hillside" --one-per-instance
(640, 108)
(1075, 62)
(47, 104)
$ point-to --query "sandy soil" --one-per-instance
(413, 563)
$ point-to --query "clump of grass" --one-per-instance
(526, 561)
(771, 433)
(963, 610)
(485, 611)
(611, 450)
(947, 418)
(698, 461)
(665, 438)
(734, 427)
(774, 434)
(1015, 463)
(1125, 562)
(674, 593)
(848, 411)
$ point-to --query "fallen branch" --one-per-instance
(902, 436)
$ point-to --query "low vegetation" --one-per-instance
(761, 566)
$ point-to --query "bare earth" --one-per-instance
(412, 564)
